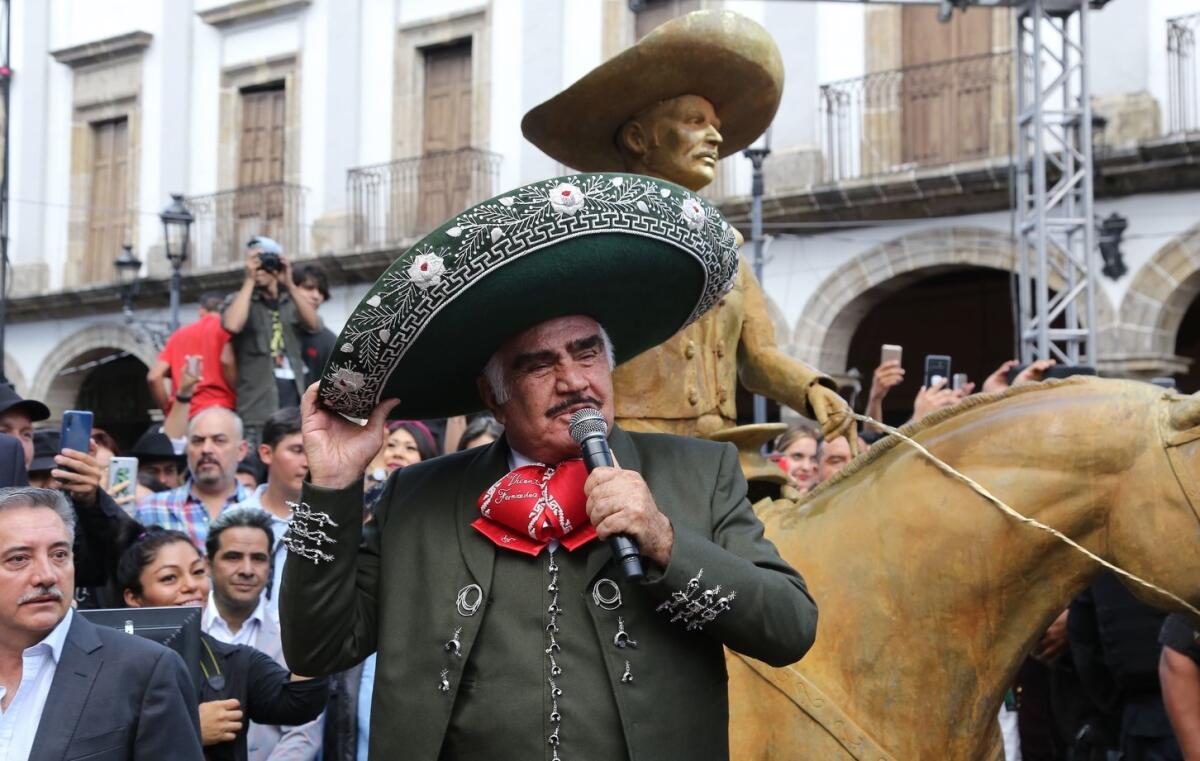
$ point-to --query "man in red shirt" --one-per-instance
(206, 339)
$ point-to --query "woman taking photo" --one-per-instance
(239, 684)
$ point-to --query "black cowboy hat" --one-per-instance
(154, 445)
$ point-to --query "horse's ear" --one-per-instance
(1185, 412)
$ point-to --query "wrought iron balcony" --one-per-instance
(226, 220)
(917, 116)
(395, 202)
(1183, 107)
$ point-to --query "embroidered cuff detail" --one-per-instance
(305, 534)
(693, 608)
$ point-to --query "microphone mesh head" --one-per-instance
(587, 422)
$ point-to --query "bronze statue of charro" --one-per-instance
(701, 85)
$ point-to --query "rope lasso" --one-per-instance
(1004, 508)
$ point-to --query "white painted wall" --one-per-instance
(377, 72)
(410, 11)
(205, 121)
(508, 29)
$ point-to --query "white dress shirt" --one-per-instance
(216, 627)
(19, 724)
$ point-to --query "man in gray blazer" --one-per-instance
(70, 689)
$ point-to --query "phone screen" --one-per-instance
(123, 469)
(937, 367)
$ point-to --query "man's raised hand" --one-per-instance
(338, 449)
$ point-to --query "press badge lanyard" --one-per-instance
(215, 680)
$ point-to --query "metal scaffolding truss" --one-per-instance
(1055, 228)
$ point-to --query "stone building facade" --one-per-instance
(347, 128)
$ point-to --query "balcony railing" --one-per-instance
(1183, 110)
(226, 220)
(395, 202)
(918, 116)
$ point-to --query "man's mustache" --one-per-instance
(206, 459)
(39, 592)
(563, 406)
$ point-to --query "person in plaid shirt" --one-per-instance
(215, 446)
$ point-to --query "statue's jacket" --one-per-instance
(420, 586)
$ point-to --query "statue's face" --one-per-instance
(680, 141)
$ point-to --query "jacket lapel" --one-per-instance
(478, 551)
(626, 454)
(73, 678)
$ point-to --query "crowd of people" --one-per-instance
(206, 527)
(203, 526)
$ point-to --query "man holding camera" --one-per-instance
(266, 319)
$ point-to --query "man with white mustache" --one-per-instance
(215, 447)
(52, 703)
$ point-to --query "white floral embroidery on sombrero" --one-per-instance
(693, 214)
(567, 199)
(426, 270)
(481, 239)
(348, 380)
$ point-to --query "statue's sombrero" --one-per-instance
(644, 257)
(725, 57)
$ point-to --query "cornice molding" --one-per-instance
(122, 46)
(243, 11)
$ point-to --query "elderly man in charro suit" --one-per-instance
(503, 625)
(696, 88)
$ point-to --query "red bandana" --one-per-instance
(534, 504)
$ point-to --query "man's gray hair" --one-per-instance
(496, 376)
(238, 427)
(31, 496)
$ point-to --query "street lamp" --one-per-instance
(757, 152)
(128, 267)
(177, 229)
(129, 270)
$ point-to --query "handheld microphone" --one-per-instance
(590, 431)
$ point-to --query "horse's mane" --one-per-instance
(911, 429)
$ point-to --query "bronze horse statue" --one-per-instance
(930, 596)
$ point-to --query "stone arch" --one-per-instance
(824, 329)
(93, 342)
(1154, 306)
(16, 376)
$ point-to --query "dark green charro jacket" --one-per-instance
(397, 592)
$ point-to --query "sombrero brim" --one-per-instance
(641, 256)
(724, 57)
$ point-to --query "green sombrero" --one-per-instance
(642, 256)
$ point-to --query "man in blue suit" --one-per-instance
(69, 689)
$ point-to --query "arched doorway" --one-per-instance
(117, 394)
(101, 368)
(831, 318)
(1187, 346)
(965, 313)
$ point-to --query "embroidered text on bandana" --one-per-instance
(535, 504)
